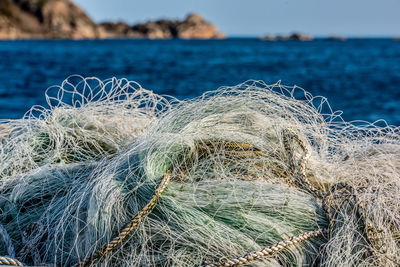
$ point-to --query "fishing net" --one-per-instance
(111, 174)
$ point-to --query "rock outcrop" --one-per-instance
(192, 27)
(195, 27)
(41, 19)
(21, 19)
(294, 36)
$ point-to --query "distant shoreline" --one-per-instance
(63, 19)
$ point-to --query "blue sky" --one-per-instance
(257, 17)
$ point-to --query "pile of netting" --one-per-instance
(111, 174)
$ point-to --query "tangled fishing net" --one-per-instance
(111, 174)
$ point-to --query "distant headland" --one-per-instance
(192, 27)
(63, 19)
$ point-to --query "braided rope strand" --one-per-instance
(268, 251)
(143, 213)
(301, 177)
(10, 261)
(302, 181)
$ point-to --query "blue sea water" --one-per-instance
(359, 76)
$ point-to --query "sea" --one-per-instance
(360, 77)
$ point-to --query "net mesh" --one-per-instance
(250, 166)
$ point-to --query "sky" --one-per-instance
(352, 18)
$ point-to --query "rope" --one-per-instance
(300, 176)
(9, 261)
(131, 226)
(367, 227)
(301, 180)
(268, 251)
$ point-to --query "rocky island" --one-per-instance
(63, 19)
(192, 27)
(293, 36)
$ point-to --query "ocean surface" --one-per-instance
(361, 77)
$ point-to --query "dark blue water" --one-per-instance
(360, 77)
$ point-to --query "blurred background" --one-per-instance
(347, 51)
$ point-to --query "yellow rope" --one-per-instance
(268, 251)
(131, 226)
(9, 261)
